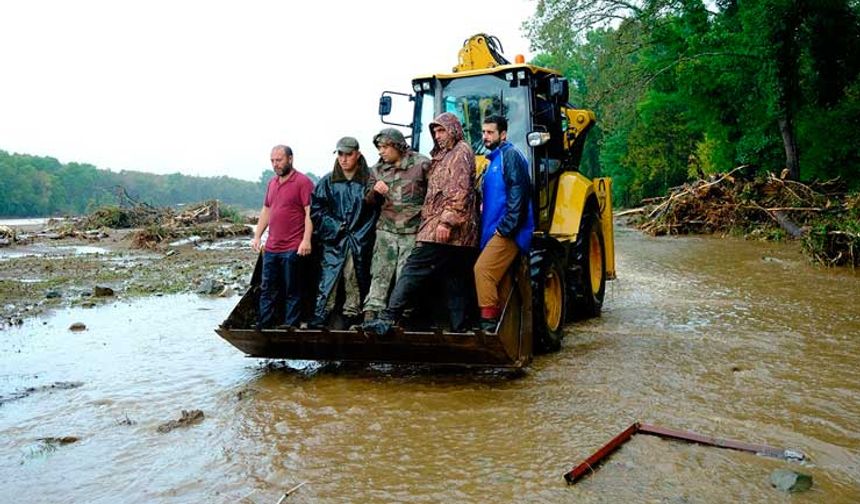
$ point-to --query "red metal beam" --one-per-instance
(593, 461)
(589, 464)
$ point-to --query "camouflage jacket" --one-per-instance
(450, 199)
(407, 186)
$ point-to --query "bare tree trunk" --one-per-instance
(789, 140)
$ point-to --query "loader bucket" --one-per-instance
(511, 347)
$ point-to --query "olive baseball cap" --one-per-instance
(346, 145)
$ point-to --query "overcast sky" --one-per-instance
(207, 88)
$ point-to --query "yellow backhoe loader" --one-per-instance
(564, 276)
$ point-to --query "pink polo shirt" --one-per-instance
(287, 202)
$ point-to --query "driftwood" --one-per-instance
(766, 205)
(727, 202)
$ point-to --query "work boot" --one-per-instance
(489, 325)
(378, 327)
(317, 323)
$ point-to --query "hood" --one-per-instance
(452, 125)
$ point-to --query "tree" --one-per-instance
(737, 80)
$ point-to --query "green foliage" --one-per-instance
(688, 88)
(231, 214)
(32, 186)
(835, 241)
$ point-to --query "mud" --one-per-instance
(724, 337)
(43, 273)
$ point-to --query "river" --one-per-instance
(729, 338)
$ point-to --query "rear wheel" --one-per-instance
(589, 253)
(549, 303)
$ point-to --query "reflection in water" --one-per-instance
(728, 338)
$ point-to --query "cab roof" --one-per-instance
(535, 70)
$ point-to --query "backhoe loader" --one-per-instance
(564, 276)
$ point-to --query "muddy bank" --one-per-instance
(43, 271)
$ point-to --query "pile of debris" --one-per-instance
(7, 236)
(151, 237)
(208, 220)
(819, 213)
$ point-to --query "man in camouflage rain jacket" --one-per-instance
(448, 233)
(398, 184)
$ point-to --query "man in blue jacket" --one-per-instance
(507, 222)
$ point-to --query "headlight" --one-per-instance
(537, 138)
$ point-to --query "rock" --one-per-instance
(64, 440)
(790, 481)
(52, 294)
(95, 234)
(78, 326)
(188, 418)
(99, 291)
(211, 287)
(5, 242)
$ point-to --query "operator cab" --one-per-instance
(532, 99)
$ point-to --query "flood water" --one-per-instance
(724, 337)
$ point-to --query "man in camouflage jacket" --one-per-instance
(448, 233)
(398, 184)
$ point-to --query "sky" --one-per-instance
(207, 88)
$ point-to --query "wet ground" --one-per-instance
(728, 338)
(40, 273)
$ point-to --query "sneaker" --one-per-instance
(369, 315)
(489, 325)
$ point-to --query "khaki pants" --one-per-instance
(491, 282)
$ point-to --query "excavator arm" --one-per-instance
(479, 52)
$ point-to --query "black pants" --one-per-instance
(281, 280)
(424, 264)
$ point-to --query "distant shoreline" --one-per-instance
(24, 224)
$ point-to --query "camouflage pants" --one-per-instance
(389, 255)
(352, 299)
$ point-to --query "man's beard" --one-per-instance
(286, 171)
(493, 145)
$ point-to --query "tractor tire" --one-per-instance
(587, 289)
(549, 302)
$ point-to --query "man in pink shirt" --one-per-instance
(287, 213)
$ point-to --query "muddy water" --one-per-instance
(728, 338)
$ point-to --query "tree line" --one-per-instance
(35, 186)
(688, 88)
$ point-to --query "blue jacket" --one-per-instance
(506, 189)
